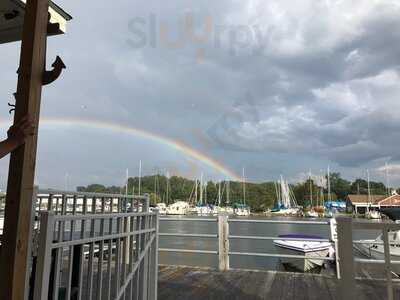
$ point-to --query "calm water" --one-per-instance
(260, 229)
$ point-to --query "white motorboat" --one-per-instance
(178, 208)
(203, 210)
(373, 214)
(161, 208)
(227, 210)
(313, 251)
(312, 214)
(374, 248)
(241, 210)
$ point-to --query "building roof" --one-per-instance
(12, 17)
(374, 199)
(393, 200)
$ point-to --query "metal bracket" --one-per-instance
(12, 105)
(51, 76)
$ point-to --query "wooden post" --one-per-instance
(388, 270)
(13, 263)
(223, 243)
(347, 281)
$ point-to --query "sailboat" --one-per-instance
(286, 203)
(371, 213)
(227, 208)
(216, 209)
(202, 208)
(374, 248)
(311, 213)
(241, 209)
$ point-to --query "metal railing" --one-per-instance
(98, 256)
(66, 202)
(345, 256)
(79, 208)
(223, 238)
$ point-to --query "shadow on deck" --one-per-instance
(200, 284)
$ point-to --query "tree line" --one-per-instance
(259, 196)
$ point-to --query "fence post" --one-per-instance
(154, 261)
(223, 242)
(334, 238)
(345, 257)
(144, 265)
(44, 256)
(146, 204)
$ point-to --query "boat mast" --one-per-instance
(329, 185)
(155, 188)
(195, 191)
(219, 193)
(227, 192)
(140, 174)
(387, 179)
(244, 187)
(311, 190)
(369, 192)
(201, 189)
(167, 200)
(127, 179)
(205, 193)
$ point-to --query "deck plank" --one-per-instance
(187, 283)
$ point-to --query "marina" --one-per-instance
(262, 135)
(195, 251)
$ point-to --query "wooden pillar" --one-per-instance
(223, 243)
(347, 281)
(13, 263)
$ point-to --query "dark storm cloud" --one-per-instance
(338, 93)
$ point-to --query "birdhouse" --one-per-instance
(12, 18)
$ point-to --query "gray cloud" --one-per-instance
(316, 83)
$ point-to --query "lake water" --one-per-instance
(243, 262)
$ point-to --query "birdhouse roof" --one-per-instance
(12, 18)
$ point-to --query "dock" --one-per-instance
(200, 283)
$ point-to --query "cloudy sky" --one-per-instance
(276, 87)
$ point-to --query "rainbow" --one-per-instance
(136, 132)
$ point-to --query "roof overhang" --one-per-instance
(12, 14)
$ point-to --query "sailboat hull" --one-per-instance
(304, 265)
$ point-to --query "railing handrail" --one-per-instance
(358, 224)
(278, 221)
(100, 216)
(189, 219)
(89, 194)
(224, 236)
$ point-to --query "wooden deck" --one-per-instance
(200, 284)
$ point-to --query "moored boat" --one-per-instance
(286, 203)
(241, 210)
(313, 251)
(178, 208)
(374, 248)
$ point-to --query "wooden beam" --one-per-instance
(14, 260)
